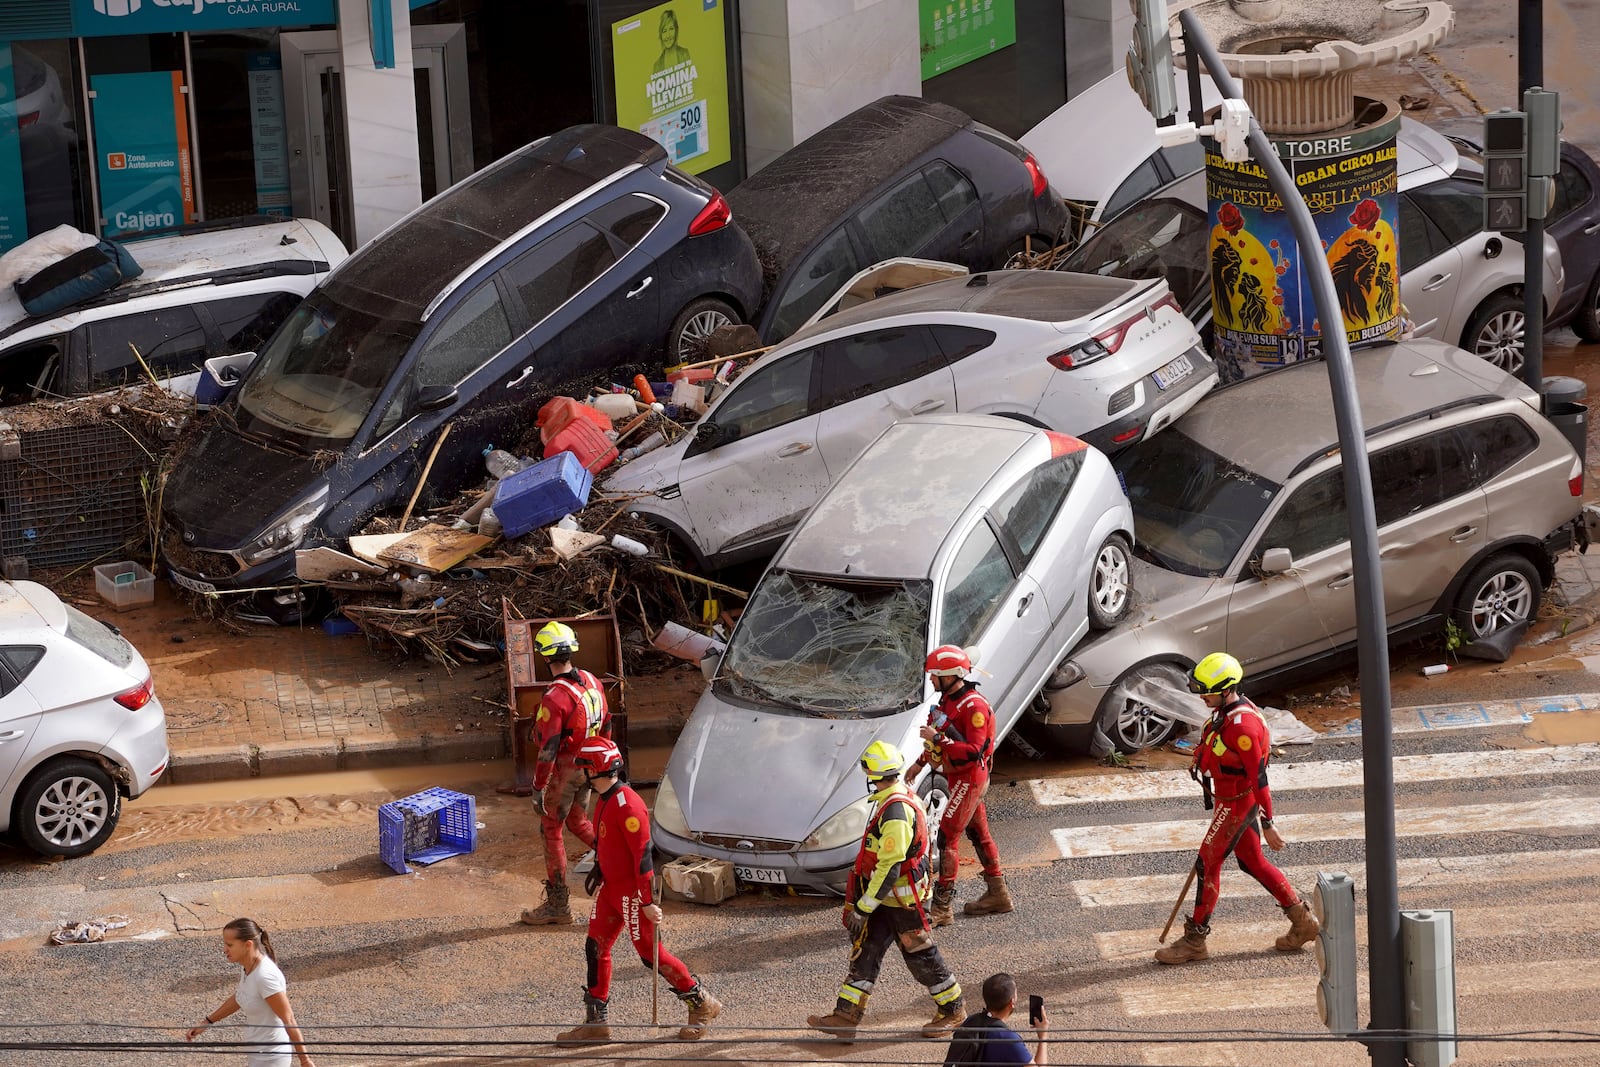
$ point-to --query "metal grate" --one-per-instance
(72, 496)
(33, 19)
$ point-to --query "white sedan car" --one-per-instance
(80, 725)
(1107, 360)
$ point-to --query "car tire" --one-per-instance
(934, 792)
(1110, 583)
(68, 808)
(686, 340)
(1130, 724)
(1586, 322)
(1496, 332)
(1502, 591)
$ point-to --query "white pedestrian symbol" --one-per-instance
(1507, 175)
(1505, 213)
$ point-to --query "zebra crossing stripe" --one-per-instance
(1435, 872)
(1472, 714)
(1184, 835)
(1323, 774)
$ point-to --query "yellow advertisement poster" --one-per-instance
(672, 80)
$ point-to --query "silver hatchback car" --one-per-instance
(951, 529)
(1244, 541)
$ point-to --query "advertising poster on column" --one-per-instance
(672, 80)
(958, 31)
(13, 205)
(142, 139)
(268, 136)
(1265, 313)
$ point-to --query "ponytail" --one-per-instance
(249, 930)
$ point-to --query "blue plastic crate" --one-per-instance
(452, 828)
(541, 494)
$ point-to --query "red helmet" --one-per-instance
(948, 661)
(598, 755)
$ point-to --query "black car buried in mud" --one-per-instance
(579, 257)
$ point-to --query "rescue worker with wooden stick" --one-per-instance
(884, 903)
(959, 741)
(1231, 760)
(571, 711)
(624, 874)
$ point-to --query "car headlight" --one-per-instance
(286, 531)
(845, 827)
(668, 812)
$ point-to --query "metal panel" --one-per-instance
(73, 495)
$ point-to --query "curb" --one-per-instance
(236, 762)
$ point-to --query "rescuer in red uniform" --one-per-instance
(625, 900)
(959, 741)
(571, 710)
(1231, 760)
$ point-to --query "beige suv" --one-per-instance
(1243, 541)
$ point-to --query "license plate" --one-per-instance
(1173, 372)
(194, 585)
(760, 875)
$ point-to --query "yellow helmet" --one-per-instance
(555, 639)
(882, 760)
(1217, 673)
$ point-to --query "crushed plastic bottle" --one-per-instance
(503, 464)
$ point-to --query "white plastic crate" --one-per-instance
(124, 585)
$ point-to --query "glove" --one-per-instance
(538, 802)
(592, 880)
(855, 921)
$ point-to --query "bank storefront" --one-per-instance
(125, 117)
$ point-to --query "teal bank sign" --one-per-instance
(95, 18)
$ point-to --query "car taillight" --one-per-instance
(1040, 182)
(1062, 444)
(713, 217)
(1575, 479)
(1127, 435)
(28, 120)
(138, 696)
(1106, 342)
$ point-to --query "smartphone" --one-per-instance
(1035, 1009)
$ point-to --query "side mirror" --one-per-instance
(436, 397)
(1276, 561)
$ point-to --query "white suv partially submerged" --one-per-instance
(216, 290)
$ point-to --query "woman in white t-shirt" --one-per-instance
(262, 996)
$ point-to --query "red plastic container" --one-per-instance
(562, 411)
(586, 441)
(694, 374)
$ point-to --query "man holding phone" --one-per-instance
(985, 1038)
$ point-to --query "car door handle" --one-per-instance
(795, 448)
(926, 406)
(1024, 605)
(1436, 282)
(968, 238)
(10, 735)
(1341, 581)
(1591, 229)
(519, 379)
(642, 287)
(1463, 534)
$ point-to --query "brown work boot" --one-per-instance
(594, 1029)
(942, 913)
(703, 1007)
(1303, 927)
(946, 1019)
(1190, 948)
(555, 911)
(842, 1021)
(996, 899)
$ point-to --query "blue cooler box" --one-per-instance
(541, 494)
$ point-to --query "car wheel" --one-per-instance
(1502, 592)
(1129, 722)
(686, 341)
(68, 808)
(1110, 584)
(1586, 323)
(934, 792)
(1496, 332)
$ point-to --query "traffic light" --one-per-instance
(1334, 904)
(1505, 171)
(1150, 58)
(1428, 944)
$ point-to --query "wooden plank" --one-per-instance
(434, 548)
(323, 563)
(367, 546)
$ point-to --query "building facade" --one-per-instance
(126, 117)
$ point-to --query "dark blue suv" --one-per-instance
(576, 259)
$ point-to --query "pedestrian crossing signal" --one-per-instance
(1334, 904)
(1505, 171)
